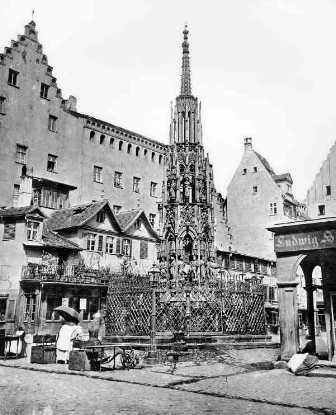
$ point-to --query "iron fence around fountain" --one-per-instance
(136, 307)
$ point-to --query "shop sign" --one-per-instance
(82, 303)
(65, 301)
(305, 241)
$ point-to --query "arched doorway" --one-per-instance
(306, 260)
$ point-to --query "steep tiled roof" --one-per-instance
(53, 240)
(282, 177)
(75, 216)
(125, 219)
(19, 211)
(265, 163)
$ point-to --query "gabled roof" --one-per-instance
(78, 215)
(53, 240)
(265, 163)
(22, 211)
(282, 177)
(128, 218)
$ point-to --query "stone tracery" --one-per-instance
(187, 207)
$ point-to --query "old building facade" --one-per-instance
(145, 189)
(257, 198)
(67, 259)
(321, 196)
(42, 135)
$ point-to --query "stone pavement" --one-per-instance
(234, 378)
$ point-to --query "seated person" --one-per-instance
(69, 331)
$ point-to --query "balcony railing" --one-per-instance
(73, 274)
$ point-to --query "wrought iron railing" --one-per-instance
(75, 274)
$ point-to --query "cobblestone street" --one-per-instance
(214, 389)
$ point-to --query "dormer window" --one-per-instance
(101, 217)
(32, 230)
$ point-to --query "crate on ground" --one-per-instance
(83, 360)
(43, 349)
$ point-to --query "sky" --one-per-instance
(264, 69)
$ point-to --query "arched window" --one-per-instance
(129, 148)
(160, 158)
(92, 134)
(153, 156)
(102, 139)
(137, 151)
(112, 141)
(145, 152)
(120, 145)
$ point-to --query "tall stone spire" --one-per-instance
(186, 212)
(185, 77)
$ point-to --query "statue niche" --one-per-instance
(186, 189)
(188, 247)
(171, 189)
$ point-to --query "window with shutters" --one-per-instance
(97, 174)
(118, 246)
(143, 249)
(16, 193)
(12, 77)
(153, 188)
(136, 184)
(21, 154)
(126, 247)
(117, 179)
(52, 123)
(32, 230)
(44, 90)
(109, 245)
(30, 310)
(100, 243)
(51, 163)
(273, 209)
(152, 219)
(9, 231)
(90, 241)
(2, 105)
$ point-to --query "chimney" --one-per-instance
(248, 143)
(71, 103)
